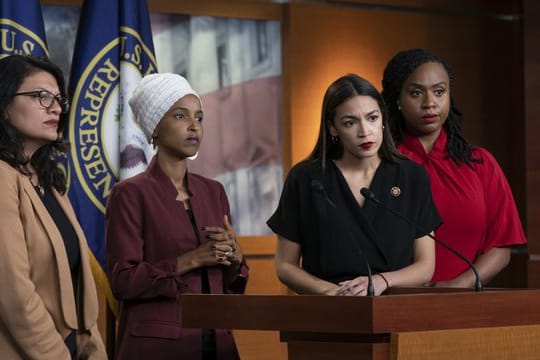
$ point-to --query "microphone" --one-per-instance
(318, 186)
(370, 287)
(369, 195)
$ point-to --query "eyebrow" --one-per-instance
(372, 112)
(413, 84)
(38, 89)
(185, 109)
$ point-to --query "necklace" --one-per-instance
(40, 189)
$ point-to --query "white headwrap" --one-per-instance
(154, 96)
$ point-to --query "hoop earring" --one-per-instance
(194, 156)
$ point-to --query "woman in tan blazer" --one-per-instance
(48, 303)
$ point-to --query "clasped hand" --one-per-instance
(358, 286)
(221, 248)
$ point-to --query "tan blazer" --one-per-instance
(37, 306)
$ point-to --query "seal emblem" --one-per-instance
(106, 143)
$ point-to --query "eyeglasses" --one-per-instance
(47, 98)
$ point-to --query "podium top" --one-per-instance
(409, 310)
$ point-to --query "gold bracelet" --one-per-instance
(386, 281)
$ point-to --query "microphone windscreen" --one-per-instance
(368, 194)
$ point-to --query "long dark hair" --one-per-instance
(338, 92)
(14, 70)
(398, 69)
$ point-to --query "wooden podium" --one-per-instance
(342, 327)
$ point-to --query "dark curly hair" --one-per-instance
(14, 70)
(338, 92)
(398, 69)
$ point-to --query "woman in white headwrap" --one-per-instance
(169, 232)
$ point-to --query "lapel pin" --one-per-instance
(395, 191)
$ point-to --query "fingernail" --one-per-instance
(213, 247)
(203, 228)
(208, 236)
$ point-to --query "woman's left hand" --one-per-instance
(355, 287)
(358, 286)
(226, 247)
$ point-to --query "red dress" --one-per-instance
(475, 203)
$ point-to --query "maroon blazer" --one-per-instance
(147, 228)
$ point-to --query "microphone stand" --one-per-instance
(369, 195)
(318, 186)
(370, 291)
(370, 287)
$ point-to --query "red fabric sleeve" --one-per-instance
(503, 222)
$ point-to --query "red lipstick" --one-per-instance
(367, 145)
(429, 118)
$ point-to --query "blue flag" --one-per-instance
(113, 50)
(21, 28)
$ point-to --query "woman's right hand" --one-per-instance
(332, 290)
(213, 252)
(358, 286)
(210, 253)
(220, 249)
